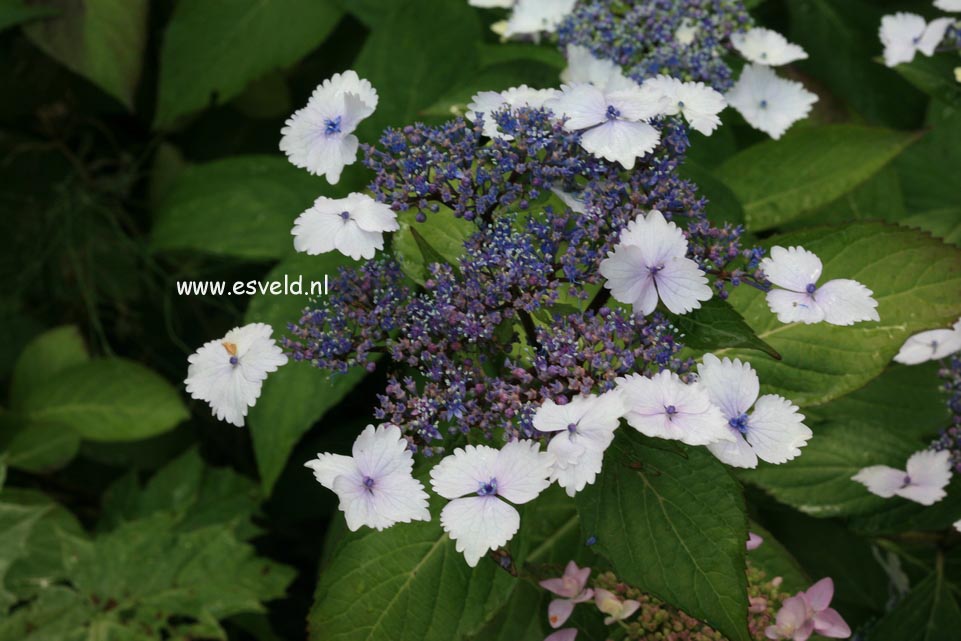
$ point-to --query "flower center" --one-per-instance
(234, 360)
(810, 288)
(671, 410)
(486, 489)
(345, 215)
(332, 126)
(907, 480)
(763, 104)
(680, 103)
(613, 112)
(368, 483)
(655, 269)
(739, 423)
(572, 428)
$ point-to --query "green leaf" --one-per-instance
(915, 280)
(934, 75)
(941, 223)
(779, 180)
(213, 49)
(297, 395)
(928, 168)
(14, 12)
(672, 523)
(243, 206)
(435, 43)
(407, 583)
(38, 446)
(497, 77)
(717, 325)
(723, 206)
(929, 612)
(110, 399)
(439, 239)
(103, 41)
(899, 515)
(776, 561)
(44, 357)
(16, 524)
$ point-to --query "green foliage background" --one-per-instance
(138, 148)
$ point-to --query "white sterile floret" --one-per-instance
(928, 473)
(767, 102)
(649, 263)
(698, 103)
(485, 103)
(532, 17)
(687, 32)
(773, 432)
(228, 373)
(375, 485)
(796, 271)
(480, 481)
(491, 4)
(766, 47)
(931, 345)
(664, 406)
(948, 5)
(905, 34)
(614, 125)
(584, 67)
(354, 226)
(585, 428)
(319, 137)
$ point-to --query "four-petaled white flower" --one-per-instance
(651, 262)
(485, 103)
(375, 485)
(773, 432)
(766, 47)
(931, 345)
(927, 474)
(948, 5)
(767, 102)
(698, 103)
(228, 373)
(905, 34)
(319, 137)
(354, 226)
(614, 125)
(664, 406)
(584, 67)
(585, 428)
(532, 17)
(480, 480)
(839, 302)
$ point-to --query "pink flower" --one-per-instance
(617, 610)
(754, 541)
(806, 613)
(567, 634)
(571, 586)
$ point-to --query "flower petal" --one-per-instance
(478, 524)
(792, 268)
(846, 302)
(732, 385)
(776, 430)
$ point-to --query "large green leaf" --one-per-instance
(934, 75)
(717, 325)
(298, 395)
(37, 446)
(915, 279)
(109, 399)
(44, 357)
(941, 223)
(14, 12)
(776, 561)
(435, 43)
(440, 238)
(778, 180)
(102, 40)
(243, 206)
(213, 49)
(928, 169)
(929, 612)
(407, 583)
(16, 523)
(672, 523)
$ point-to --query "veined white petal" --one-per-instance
(931, 345)
(766, 47)
(583, 66)
(846, 302)
(327, 467)
(793, 307)
(371, 215)
(391, 499)
(736, 454)
(522, 471)
(353, 241)
(536, 16)
(681, 285)
(621, 141)
(660, 240)
(580, 472)
(316, 229)
(776, 429)
(929, 473)
(767, 102)
(478, 524)
(583, 105)
(731, 385)
(381, 451)
(881, 480)
(792, 268)
(629, 278)
(464, 471)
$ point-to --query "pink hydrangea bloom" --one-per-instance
(808, 612)
(572, 588)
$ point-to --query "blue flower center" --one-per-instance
(655, 269)
(572, 428)
(739, 423)
(368, 483)
(763, 104)
(810, 288)
(345, 215)
(332, 126)
(486, 489)
(671, 410)
(680, 103)
(234, 360)
(613, 112)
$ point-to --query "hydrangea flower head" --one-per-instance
(905, 34)
(584, 429)
(614, 125)
(807, 613)
(930, 345)
(615, 608)
(354, 226)
(482, 482)
(375, 485)
(572, 588)
(663, 406)
(796, 271)
(319, 137)
(485, 103)
(229, 372)
(773, 432)
(928, 473)
(768, 102)
(766, 47)
(650, 263)
(698, 103)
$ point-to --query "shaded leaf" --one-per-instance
(717, 325)
(44, 357)
(929, 612)
(440, 239)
